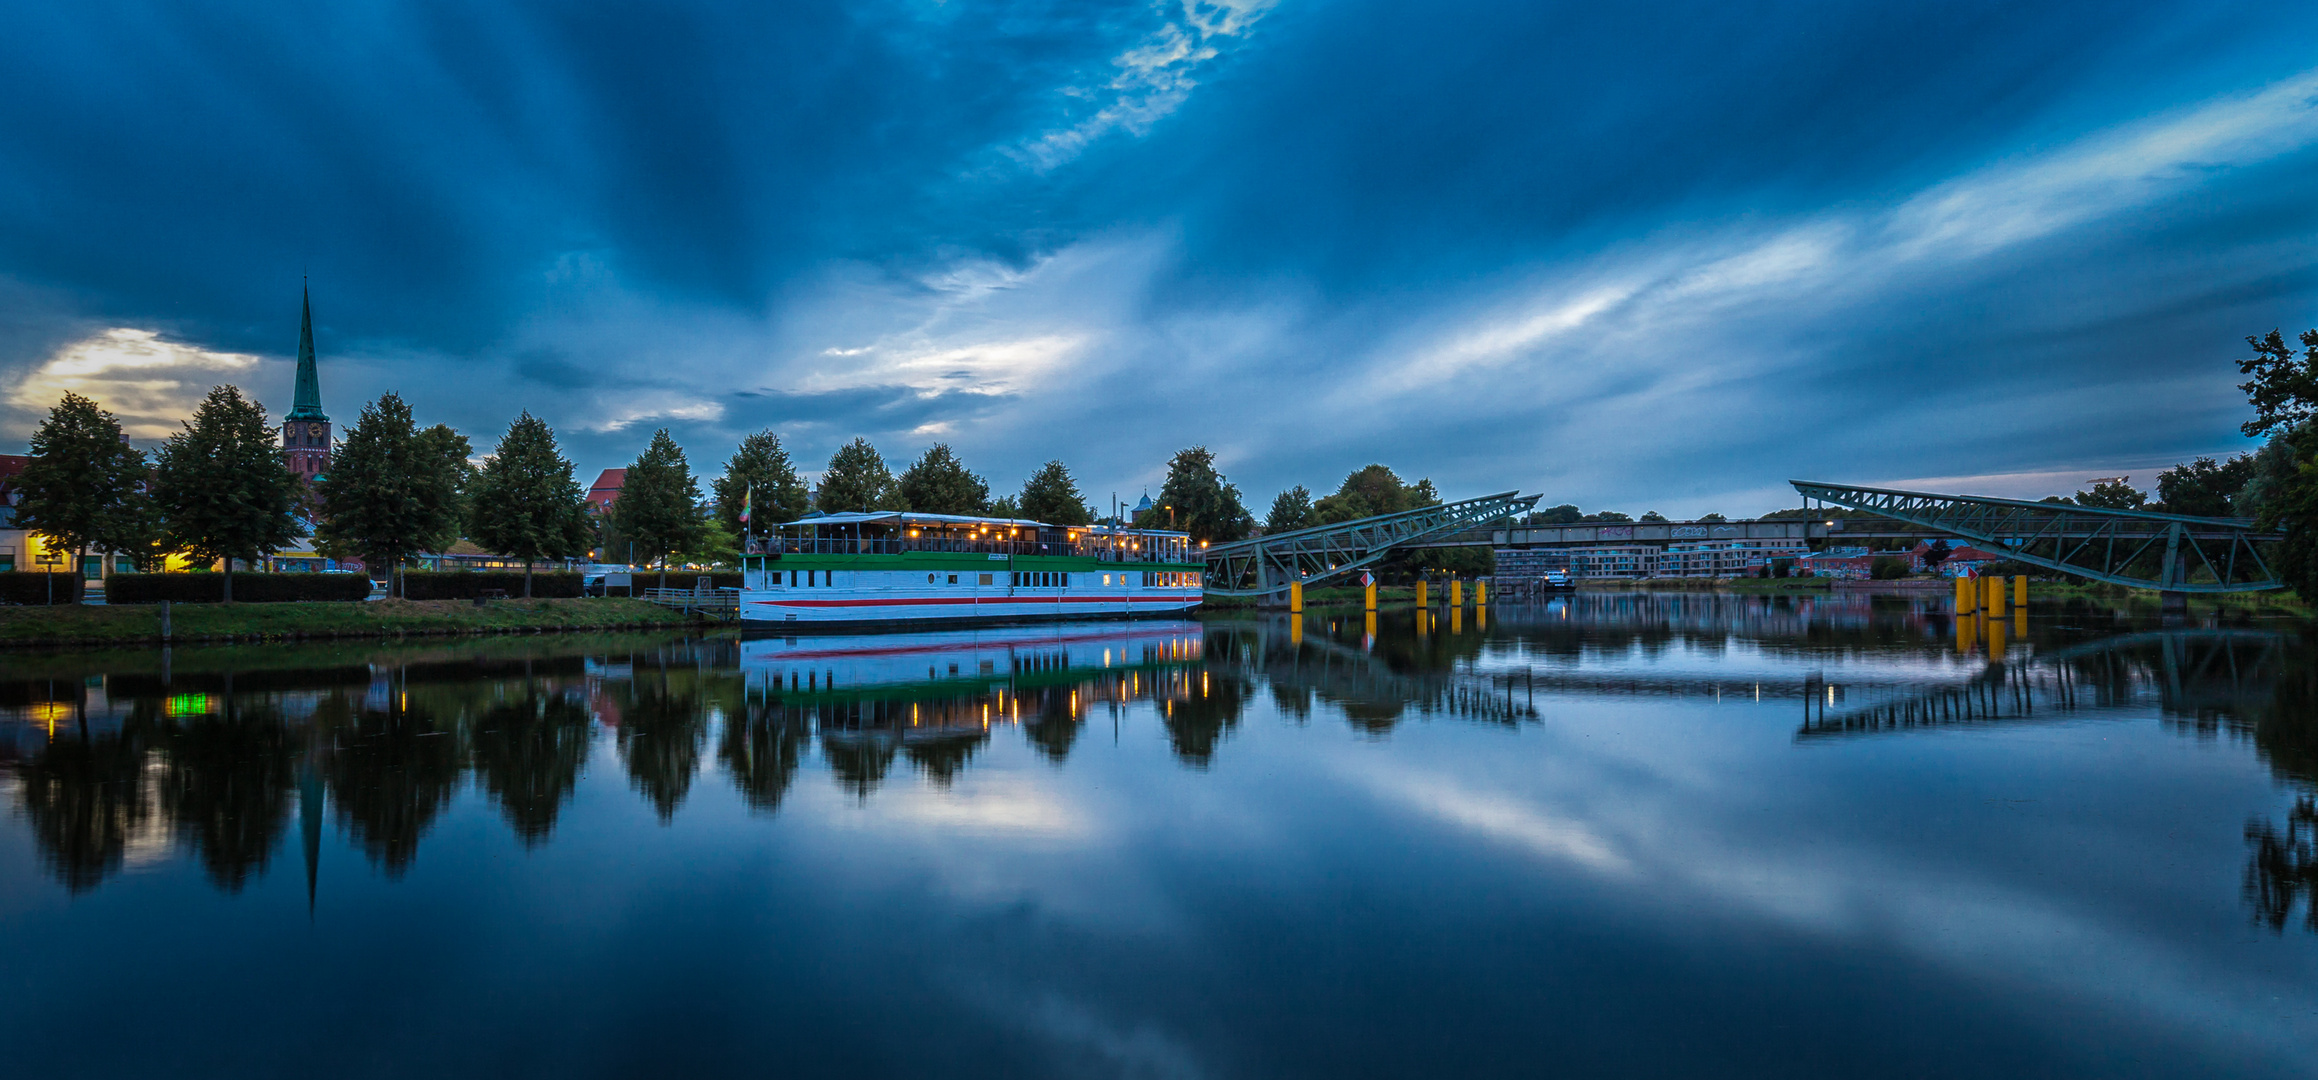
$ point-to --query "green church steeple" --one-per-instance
(307, 404)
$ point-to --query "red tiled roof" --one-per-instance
(607, 487)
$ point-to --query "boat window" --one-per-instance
(929, 579)
(986, 579)
(953, 579)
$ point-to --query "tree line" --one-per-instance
(218, 491)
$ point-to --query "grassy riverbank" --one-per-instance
(191, 623)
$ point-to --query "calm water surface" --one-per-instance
(1614, 835)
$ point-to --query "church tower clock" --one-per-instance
(306, 430)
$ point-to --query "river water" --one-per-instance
(1610, 835)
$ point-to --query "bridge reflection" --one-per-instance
(224, 756)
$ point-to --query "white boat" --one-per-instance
(894, 567)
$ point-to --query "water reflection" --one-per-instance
(118, 760)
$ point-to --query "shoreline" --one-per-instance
(82, 626)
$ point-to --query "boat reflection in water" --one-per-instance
(932, 696)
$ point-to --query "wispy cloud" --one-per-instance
(1149, 80)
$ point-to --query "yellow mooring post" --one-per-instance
(1966, 636)
(2020, 591)
(1368, 596)
(1481, 592)
(1295, 598)
(1967, 601)
(1995, 598)
(1995, 638)
(1424, 598)
(1456, 593)
(1296, 631)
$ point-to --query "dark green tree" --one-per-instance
(856, 481)
(1202, 502)
(392, 491)
(938, 483)
(761, 475)
(74, 489)
(1652, 515)
(1935, 553)
(1718, 518)
(527, 502)
(444, 454)
(1051, 496)
(1291, 510)
(2113, 495)
(223, 487)
(1005, 506)
(1565, 514)
(1366, 492)
(134, 526)
(659, 504)
(2203, 488)
(2284, 387)
(1607, 517)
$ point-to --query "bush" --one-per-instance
(468, 584)
(32, 587)
(253, 588)
(1886, 568)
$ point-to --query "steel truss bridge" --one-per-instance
(1266, 565)
(2169, 552)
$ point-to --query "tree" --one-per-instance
(1715, 518)
(856, 481)
(392, 491)
(1366, 492)
(79, 478)
(1565, 514)
(1935, 553)
(1051, 496)
(2203, 488)
(1653, 515)
(1606, 516)
(2112, 495)
(760, 477)
(223, 487)
(938, 483)
(1005, 506)
(527, 502)
(1292, 510)
(1204, 503)
(134, 526)
(443, 454)
(658, 507)
(2284, 389)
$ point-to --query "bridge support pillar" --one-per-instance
(2173, 604)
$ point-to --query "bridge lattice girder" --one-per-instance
(2171, 552)
(1265, 565)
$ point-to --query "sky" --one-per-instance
(1636, 257)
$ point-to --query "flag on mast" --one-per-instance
(748, 498)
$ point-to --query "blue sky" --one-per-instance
(1631, 256)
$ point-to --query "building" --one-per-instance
(306, 430)
(606, 490)
(1725, 558)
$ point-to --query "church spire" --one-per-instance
(307, 403)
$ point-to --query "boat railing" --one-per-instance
(792, 545)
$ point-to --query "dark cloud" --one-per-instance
(1311, 235)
